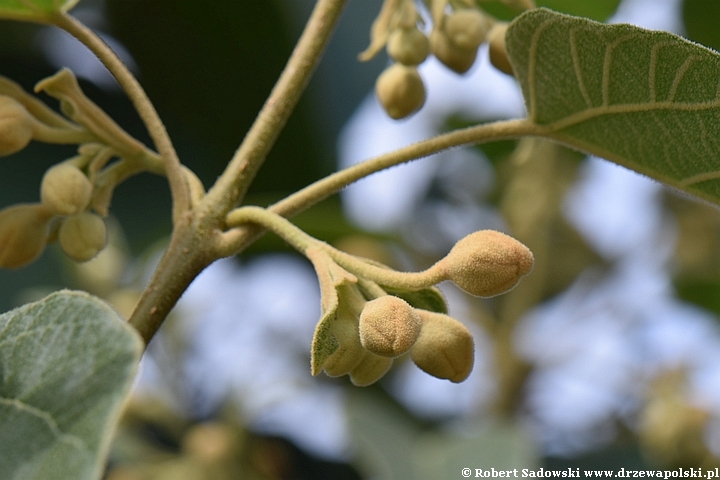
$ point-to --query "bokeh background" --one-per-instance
(607, 356)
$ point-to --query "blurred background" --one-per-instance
(607, 356)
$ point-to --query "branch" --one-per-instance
(234, 241)
(145, 108)
(194, 246)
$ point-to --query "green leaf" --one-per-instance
(33, 10)
(596, 9)
(430, 298)
(66, 365)
(645, 100)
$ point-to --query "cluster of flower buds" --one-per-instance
(388, 327)
(71, 191)
(399, 88)
(373, 315)
(62, 214)
(65, 195)
(459, 28)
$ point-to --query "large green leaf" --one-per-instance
(66, 366)
(646, 100)
(33, 10)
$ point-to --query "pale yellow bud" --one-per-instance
(408, 46)
(389, 326)
(23, 234)
(445, 348)
(486, 263)
(16, 126)
(497, 50)
(65, 189)
(371, 369)
(400, 90)
(455, 58)
(82, 236)
(466, 28)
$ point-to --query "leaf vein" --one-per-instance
(534, 42)
(576, 67)
(595, 112)
(48, 420)
(607, 65)
(679, 76)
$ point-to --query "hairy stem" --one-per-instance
(301, 241)
(237, 239)
(145, 108)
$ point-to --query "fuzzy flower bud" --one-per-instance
(486, 263)
(400, 90)
(16, 126)
(445, 348)
(371, 369)
(23, 234)
(466, 28)
(408, 46)
(497, 50)
(455, 58)
(65, 189)
(82, 236)
(389, 326)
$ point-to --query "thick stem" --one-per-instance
(145, 108)
(231, 187)
(186, 256)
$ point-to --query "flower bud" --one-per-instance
(82, 236)
(389, 326)
(23, 234)
(408, 46)
(445, 348)
(466, 28)
(455, 58)
(16, 126)
(486, 263)
(371, 369)
(349, 352)
(497, 50)
(65, 189)
(400, 90)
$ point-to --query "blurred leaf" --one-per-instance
(645, 100)
(66, 365)
(701, 20)
(392, 445)
(383, 436)
(33, 10)
(705, 294)
(502, 446)
(599, 10)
